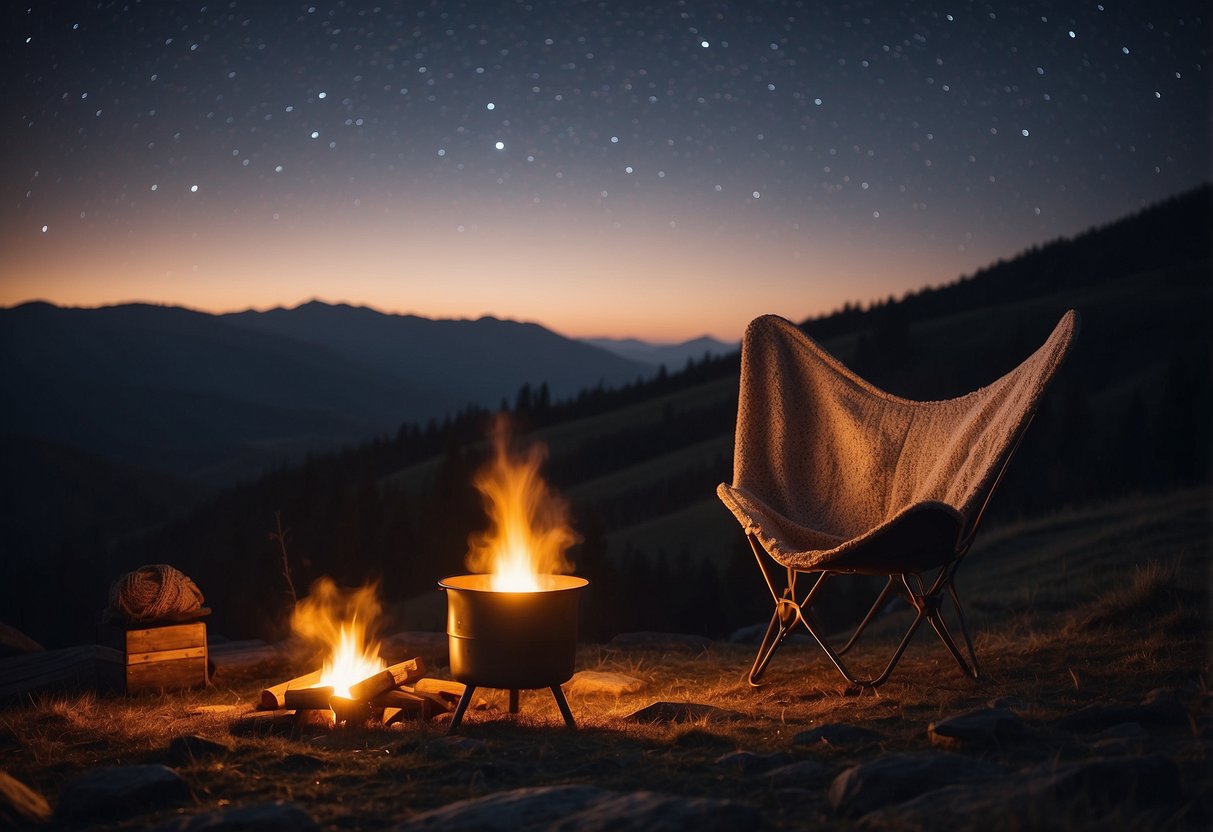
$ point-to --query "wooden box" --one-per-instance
(168, 657)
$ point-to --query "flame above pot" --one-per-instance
(529, 529)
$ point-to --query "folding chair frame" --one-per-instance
(927, 601)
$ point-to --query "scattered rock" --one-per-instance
(661, 641)
(747, 762)
(585, 808)
(803, 774)
(837, 734)
(894, 778)
(1044, 796)
(431, 648)
(976, 729)
(1160, 706)
(192, 748)
(597, 681)
(681, 712)
(275, 816)
(20, 805)
(121, 791)
(753, 633)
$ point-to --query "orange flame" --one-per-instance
(529, 529)
(342, 621)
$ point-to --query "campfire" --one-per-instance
(510, 626)
(514, 626)
(354, 685)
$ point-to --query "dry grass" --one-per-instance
(1082, 609)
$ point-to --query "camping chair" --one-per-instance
(833, 476)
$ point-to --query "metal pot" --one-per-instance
(512, 640)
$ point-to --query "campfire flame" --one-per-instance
(342, 621)
(529, 529)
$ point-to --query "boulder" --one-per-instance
(839, 735)
(192, 748)
(983, 728)
(585, 809)
(896, 778)
(681, 712)
(597, 681)
(272, 816)
(121, 791)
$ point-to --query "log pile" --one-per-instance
(396, 693)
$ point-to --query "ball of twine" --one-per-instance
(152, 592)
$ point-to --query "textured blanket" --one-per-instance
(830, 472)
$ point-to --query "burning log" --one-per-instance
(309, 699)
(387, 679)
(272, 698)
(445, 693)
(354, 711)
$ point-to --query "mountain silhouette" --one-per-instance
(217, 397)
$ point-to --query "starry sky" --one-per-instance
(660, 170)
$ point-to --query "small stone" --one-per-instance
(839, 735)
(801, 775)
(661, 641)
(894, 778)
(275, 816)
(20, 805)
(747, 762)
(681, 712)
(975, 729)
(585, 809)
(598, 681)
(192, 748)
(121, 791)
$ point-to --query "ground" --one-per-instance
(1092, 631)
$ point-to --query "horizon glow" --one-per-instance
(603, 173)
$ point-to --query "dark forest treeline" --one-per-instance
(1124, 416)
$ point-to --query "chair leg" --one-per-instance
(867, 619)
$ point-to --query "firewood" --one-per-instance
(272, 698)
(443, 693)
(315, 718)
(387, 679)
(399, 705)
(355, 712)
(308, 699)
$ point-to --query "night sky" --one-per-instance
(661, 170)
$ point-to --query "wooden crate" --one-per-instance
(169, 657)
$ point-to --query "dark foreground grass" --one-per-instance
(1124, 611)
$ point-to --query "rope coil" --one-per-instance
(152, 592)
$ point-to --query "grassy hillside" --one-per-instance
(1128, 414)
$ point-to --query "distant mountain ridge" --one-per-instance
(216, 397)
(672, 356)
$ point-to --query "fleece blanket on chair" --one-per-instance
(826, 465)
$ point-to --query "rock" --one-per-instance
(121, 791)
(975, 730)
(753, 634)
(20, 805)
(681, 712)
(801, 775)
(191, 748)
(837, 734)
(597, 681)
(586, 809)
(1045, 796)
(661, 641)
(894, 778)
(1159, 707)
(431, 648)
(747, 762)
(275, 816)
